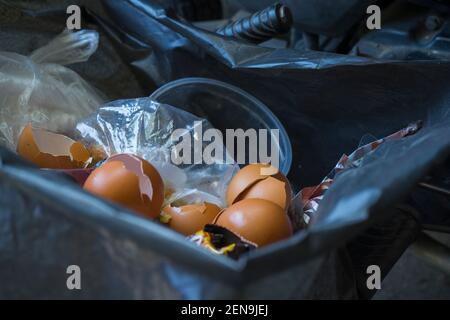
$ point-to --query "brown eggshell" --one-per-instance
(257, 220)
(191, 218)
(260, 181)
(129, 181)
(51, 150)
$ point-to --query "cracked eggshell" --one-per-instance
(261, 181)
(191, 218)
(129, 181)
(51, 150)
(257, 220)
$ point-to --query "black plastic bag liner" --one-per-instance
(326, 102)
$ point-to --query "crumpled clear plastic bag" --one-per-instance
(144, 127)
(38, 89)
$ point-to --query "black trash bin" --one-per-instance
(326, 103)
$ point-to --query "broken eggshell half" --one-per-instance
(260, 181)
(129, 181)
(190, 218)
(221, 241)
(51, 150)
(257, 220)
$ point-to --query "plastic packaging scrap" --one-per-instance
(311, 196)
(39, 89)
(145, 128)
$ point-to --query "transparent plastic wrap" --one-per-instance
(38, 89)
(146, 128)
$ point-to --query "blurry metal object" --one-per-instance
(435, 188)
(433, 252)
(260, 26)
(408, 33)
(327, 17)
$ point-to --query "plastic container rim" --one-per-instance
(286, 165)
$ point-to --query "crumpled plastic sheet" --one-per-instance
(326, 102)
(144, 127)
(312, 196)
(39, 89)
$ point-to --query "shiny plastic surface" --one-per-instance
(146, 128)
(38, 89)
